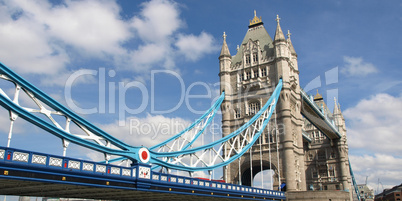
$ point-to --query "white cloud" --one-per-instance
(264, 178)
(91, 26)
(151, 55)
(24, 46)
(374, 124)
(355, 66)
(147, 131)
(62, 77)
(42, 38)
(386, 168)
(158, 20)
(36, 40)
(158, 26)
(374, 129)
(194, 47)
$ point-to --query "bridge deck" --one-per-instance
(41, 175)
(45, 189)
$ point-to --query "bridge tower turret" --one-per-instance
(225, 60)
(288, 111)
(248, 79)
(343, 148)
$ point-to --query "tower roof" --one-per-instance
(278, 33)
(255, 21)
(225, 49)
(256, 32)
(318, 96)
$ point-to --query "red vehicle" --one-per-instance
(217, 180)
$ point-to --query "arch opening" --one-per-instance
(260, 177)
(263, 179)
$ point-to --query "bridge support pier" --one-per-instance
(291, 128)
(318, 196)
(344, 169)
(289, 158)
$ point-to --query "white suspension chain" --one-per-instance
(270, 158)
(239, 172)
(277, 150)
(262, 172)
(251, 166)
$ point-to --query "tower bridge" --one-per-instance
(289, 147)
(268, 122)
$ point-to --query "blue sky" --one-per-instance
(169, 49)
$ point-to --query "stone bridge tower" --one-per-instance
(248, 79)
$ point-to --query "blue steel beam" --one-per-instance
(213, 109)
(125, 149)
(271, 104)
(59, 107)
(23, 166)
(354, 182)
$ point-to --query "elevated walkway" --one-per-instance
(313, 113)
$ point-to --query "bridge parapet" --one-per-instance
(20, 164)
(18, 157)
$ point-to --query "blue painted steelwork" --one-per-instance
(209, 115)
(267, 111)
(14, 162)
(354, 182)
(125, 149)
(213, 109)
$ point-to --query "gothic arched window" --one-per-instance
(253, 108)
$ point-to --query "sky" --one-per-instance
(118, 63)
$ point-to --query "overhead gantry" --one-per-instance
(318, 118)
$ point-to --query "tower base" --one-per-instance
(318, 196)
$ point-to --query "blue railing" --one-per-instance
(197, 183)
(53, 162)
(139, 174)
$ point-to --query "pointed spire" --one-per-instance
(338, 116)
(292, 49)
(278, 33)
(336, 108)
(340, 111)
(225, 49)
